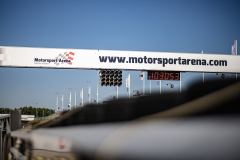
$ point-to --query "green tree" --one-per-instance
(5, 110)
(29, 111)
(1, 110)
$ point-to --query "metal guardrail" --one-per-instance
(48, 117)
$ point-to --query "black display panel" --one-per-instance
(163, 75)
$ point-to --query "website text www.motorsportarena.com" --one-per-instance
(163, 61)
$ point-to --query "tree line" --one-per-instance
(41, 112)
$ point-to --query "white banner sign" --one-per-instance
(121, 60)
(81, 94)
(234, 48)
(128, 81)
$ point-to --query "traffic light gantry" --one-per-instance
(110, 78)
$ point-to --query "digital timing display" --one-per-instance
(163, 75)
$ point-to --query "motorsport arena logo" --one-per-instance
(66, 57)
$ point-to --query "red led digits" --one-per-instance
(177, 76)
(171, 76)
(163, 75)
(156, 75)
(166, 76)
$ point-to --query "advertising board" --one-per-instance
(121, 60)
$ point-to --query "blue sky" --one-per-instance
(162, 26)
